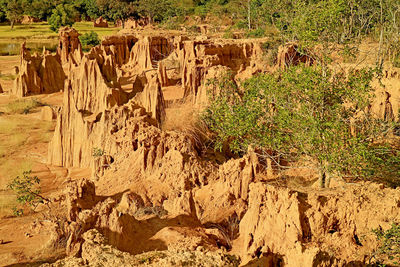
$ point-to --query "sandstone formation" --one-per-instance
(69, 47)
(29, 19)
(316, 229)
(155, 186)
(231, 207)
(47, 113)
(96, 252)
(100, 23)
(38, 74)
(94, 91)
(134, 24)
(46, 73)
(387, 103)
(1, 89)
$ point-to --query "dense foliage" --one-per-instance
(89, 39)
(63, 15)
(302, 20)
(306, 112)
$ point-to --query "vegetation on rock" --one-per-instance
(306, 111)
(389, 243)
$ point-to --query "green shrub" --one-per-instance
(257, 33)
(304, 111)
(201, 11)
(89, 39)
(389, 244)
(27, 189)
(396, 61)
(97, 152)
(173, 23)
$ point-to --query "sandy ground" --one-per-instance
(23, 146)
(7, 71)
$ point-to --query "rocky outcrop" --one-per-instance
(1, 89)
(48, 113)
(93, 100)
(38, 74)
(386, 104)
(196, 61)
(315, 229)
(151, 185)
(118, 47)
(134, 24)
(149, 50)
(97, 252)
(232, 206)
(29, 19)
(87, 211)
(69, 47)
(100, 23)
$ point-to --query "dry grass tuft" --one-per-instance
(184, 118)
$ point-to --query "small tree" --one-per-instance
(157, 10)
(26, 187)
(114, 10)
(306, 111)
(13, 10)
(62, 15)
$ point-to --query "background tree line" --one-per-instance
(311, 20)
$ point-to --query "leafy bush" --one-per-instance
(173, 23)
(89, 39)
(257, 33)
(389, 243)
(305, 111)
(62, 15)
(97, 152)
(27, 190)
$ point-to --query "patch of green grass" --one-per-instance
(7, 201)
(8, 77)
(7, 126)
(23, 106)
(34, 31)
(87, 27)
(41, 30)
(11, 167)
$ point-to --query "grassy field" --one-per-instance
(41, 31)
(39, 35)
